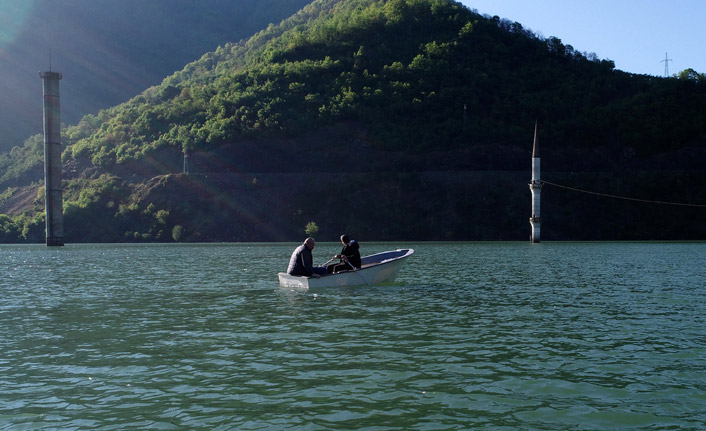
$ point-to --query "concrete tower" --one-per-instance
(52, 159)
(536, 188)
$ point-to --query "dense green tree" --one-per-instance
(311, 229)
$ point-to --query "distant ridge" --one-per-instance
(411, 117)
(109, 51)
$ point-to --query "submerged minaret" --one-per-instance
(52, 159)
(536, 188)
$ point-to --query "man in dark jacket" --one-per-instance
(301, 262)
(349, 253)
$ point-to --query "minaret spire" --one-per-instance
(53, 188)
(536, 189)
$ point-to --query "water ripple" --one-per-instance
(480, 335)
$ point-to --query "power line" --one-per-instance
(623, 197)
(666, 65)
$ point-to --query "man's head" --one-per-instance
(310, 243)
(345, 239)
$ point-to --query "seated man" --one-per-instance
(301, 261)
(349, 253)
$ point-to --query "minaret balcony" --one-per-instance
(536, 185)
(535, 220)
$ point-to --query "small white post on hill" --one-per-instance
(187, 166)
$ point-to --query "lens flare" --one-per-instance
(12, 16)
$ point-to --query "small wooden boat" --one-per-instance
(375, 269)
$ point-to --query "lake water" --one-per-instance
(497, 336)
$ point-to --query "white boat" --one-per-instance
(375, 269)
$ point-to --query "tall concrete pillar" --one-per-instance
(536, 189)
(52, 159)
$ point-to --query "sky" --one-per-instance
(634, 34)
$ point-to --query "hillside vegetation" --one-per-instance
(399, 119)
(109, 51)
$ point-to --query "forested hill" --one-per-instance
(404, 103)
(108, 51)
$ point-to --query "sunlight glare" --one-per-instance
(12, 16)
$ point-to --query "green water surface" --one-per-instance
(497, 336)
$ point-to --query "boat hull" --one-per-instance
(377, 268)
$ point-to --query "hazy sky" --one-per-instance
(635, 34)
